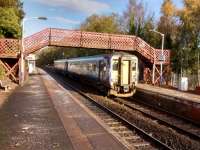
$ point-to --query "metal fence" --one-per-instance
(193, 80)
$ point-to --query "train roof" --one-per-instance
(96, 57)
(61, 60)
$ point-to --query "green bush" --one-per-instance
(2, 72)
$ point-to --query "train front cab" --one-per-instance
(123, 75)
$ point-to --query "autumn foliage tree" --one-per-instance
(180, 26)
(101, 23)
(188, 38)
(168, 23)
(11, 14)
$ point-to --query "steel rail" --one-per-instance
(120, 118)
(170, 113)
(117, 116)
(180, 130)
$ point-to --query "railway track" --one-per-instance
(132, 136)
(131, 133)
(179, 124)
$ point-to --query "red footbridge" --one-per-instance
(10, 48)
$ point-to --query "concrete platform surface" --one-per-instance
(29, 121)
(170, 92)
(82, 127)
(42, 115)
(183, 104)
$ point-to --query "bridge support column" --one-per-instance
(11, 67)
(158, 76)
(153, 75)
(147, 75)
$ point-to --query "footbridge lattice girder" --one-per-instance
(10, 48)
(75, 38)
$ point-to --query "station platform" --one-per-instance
(184, 104)
(43, 115)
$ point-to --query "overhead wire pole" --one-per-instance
(22, 61)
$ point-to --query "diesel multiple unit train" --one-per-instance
(116, 74)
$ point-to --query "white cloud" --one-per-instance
(85, 6)
(65, 20)
(52, 9)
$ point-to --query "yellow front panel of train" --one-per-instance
(125, 72)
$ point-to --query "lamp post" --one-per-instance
(198, 70)
(161, 57)
(22, 68)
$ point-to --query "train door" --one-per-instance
(125, 72)
(115, 70)
(134, 71)
(65, 68)
(102, 70)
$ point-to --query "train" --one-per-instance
(115, 74)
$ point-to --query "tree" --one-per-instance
(94, 23)
(189, 37)
(167, 23)
(138, 21)
(49, 54)
(9, 23)
(151, 38)
(133, 18)
(189, 17)
(106, 24)
(11, 14)
(9, 3)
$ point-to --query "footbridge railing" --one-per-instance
(75, 38)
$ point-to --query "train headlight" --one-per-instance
(134, 78)
(114, 80)
(126, 88)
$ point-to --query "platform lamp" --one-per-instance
(161, 57)
(22, 68)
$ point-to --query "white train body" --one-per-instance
(116, 74)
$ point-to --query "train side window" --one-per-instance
(134, 66)
(88, 66)
(104, 68)
(115, 65)
(94, 67)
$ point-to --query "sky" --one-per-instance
(69, 14)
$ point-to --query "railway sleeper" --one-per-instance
(114, 124)
(143, 144)
(124, 134)
(134, 137)
(120, 129)
(109, 119)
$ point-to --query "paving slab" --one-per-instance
(183, 104)
(29, 121)
(81, 126)
(170, 92)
